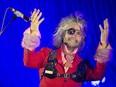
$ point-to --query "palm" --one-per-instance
(35, 20)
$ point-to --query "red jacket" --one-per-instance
(38, 60)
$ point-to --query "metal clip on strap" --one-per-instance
(64, 75)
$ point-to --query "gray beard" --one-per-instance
(69, 47)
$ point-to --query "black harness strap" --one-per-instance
(51, 72)
(79, 75)
(66, 75)
(50, 69)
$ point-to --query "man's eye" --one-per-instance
(71, 31)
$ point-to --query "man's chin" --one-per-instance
(71, 46)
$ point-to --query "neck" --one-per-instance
(70, 49)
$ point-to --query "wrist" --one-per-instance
(33, 32)
(104, 45)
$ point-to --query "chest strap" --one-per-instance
(51, 72)
(66, 75)
(79, 75)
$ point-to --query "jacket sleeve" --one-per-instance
(102, 57)
(32, 58)
(35, 59)
(30, 41)
(96, 73)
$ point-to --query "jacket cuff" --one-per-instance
(29, 41)
(103, 55)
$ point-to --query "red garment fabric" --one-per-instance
(38, 60)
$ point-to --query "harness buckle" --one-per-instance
(66, 75)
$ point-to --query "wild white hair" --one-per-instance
(65, 24)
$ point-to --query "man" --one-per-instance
(63, 67)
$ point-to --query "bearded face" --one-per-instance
(73, 37)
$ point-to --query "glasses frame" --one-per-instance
(72, 31)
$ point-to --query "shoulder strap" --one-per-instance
(52, 56)
(50, 70)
